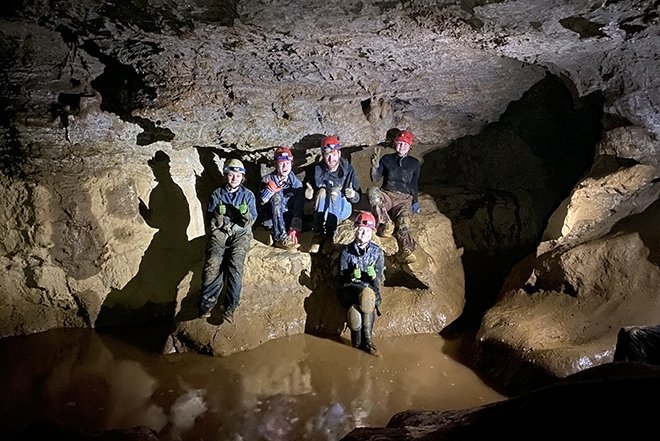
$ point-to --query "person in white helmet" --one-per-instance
(232, 210)
(361, 265)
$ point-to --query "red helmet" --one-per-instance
(364, 218)
(283, 154)
(405, 136)
(330, 143)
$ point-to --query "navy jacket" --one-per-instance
(352, 256)
(343, 177)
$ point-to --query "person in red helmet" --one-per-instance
(334, 186)
(397, 198)
(361, 265)
(281, 201)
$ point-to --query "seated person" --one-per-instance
(334, 186)
(281, 199)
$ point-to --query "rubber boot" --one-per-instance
(367, 328)
(356, 338)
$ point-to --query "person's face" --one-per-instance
(363, 234)
(331, 159)
(402, 148)
(234, 179)
(283, 168)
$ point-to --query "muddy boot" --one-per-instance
(356, 338)
(367, 328)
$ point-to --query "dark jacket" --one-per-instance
(352, 256)
(232, 200)
(293, 195)
(344, 177)
(399, 174)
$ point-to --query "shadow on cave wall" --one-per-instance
(500, 187)
(169, 259)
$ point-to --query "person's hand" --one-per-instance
(243, 208)
(375, 157)
(293, 235)
(222, 209)
(416, 208)
(309, 192)
(357, 274)
(349, 192)
(273, 187)
(371, 272)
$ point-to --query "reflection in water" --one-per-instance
(299, 387)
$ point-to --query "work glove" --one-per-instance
(416, 208)
(273, 187)
(243, 208)
(371, 272)
(375, 158)
(293, 235)
(221, 209)
(309, 192)
(349, 192)
(357, 274)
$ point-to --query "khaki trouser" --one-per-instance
(397, 207)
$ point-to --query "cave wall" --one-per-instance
(92, 92)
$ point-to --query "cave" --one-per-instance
(537, 130)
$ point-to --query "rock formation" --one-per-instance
(537, 124)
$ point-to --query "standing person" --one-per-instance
(233, 210)
(281, 198)
(361, 265)
(397, 198)
(334, 187)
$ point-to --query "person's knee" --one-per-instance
(367, 300)
(375, 196)
(320, 199)
(354, 318)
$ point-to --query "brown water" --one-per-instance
(294, 388)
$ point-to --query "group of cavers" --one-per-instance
(334, 187)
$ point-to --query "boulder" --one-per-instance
(560, 312)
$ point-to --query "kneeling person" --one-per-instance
(361, 265)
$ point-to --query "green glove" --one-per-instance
(243, 208)
(357, 274)
(222, 209)
(371, 271)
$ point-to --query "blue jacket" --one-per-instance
(352, 257)
(292, 190)
(221, 195)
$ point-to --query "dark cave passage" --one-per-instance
(500, 187)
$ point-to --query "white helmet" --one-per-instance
(234, 165)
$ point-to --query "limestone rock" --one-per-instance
(560, 312)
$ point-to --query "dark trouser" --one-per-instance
(353, 298)
(225, 256)
(281, 218)
(330, 209)
(398, 207)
